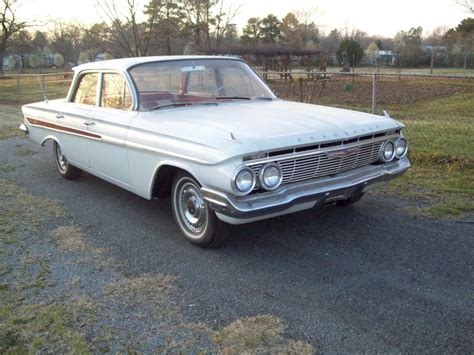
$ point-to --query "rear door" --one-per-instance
(73, 134)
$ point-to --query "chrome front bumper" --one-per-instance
(308, 194)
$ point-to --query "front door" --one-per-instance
(110, 120)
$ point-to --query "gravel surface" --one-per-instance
(365, 278)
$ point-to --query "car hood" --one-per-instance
(249, 126)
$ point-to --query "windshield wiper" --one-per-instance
(232, 98)
(179, 104)
(242, 98)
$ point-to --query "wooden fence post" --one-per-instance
(301, 89)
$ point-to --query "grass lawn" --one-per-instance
(10, 119)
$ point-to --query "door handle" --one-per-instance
(89, 123)
(59, 116)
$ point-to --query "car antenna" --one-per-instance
(42, 89)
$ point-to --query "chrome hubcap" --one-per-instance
(61, 159)
(192, 208)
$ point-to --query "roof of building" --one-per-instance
(126, 63)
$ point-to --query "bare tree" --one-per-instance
(125, 35)
(208, 20)
(66, 39)
(309, 30)
(9, 26)
(21, 44)
(224, 22)
(467, 4)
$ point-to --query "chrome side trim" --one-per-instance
(318, 191)
(139, 146)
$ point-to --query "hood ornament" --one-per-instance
(233, 138)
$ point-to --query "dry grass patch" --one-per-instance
(72, 239)
(5, 167)
(260, 334)
(20, 210)
(23, 151)
(153, 290)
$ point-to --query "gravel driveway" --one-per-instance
(365, 278)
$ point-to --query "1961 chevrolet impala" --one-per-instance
(208, 131)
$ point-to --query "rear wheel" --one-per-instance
(66, 170)
(196, 221)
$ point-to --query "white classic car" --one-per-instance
(210, 133)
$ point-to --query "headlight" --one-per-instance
(387, 153)
(244, 181)
(270, 177)
(401, 147)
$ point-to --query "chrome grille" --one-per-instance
(321, 163)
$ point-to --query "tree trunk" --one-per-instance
(1, 62)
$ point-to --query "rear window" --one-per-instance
(86, 92)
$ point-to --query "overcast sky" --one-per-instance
(383, 17)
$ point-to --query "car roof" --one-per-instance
(126, 63)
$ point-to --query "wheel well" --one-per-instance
(48, 139)
(163, 180)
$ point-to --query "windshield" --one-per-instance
(198, 81)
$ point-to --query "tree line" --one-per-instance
(164, 27)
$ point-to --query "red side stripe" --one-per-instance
(36, 122)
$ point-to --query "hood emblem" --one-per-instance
(342, 153)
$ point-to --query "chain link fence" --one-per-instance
(438, 110)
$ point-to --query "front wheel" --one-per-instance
(66, 170)
(195, 220)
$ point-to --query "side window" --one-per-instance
(115, 93)
(86, 92)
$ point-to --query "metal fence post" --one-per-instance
(18, 88)
(374, 92)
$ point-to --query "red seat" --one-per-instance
(150, 99)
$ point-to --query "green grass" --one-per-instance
(31, 328)
(10, 119)
(440, 132)
(443, 126)
(445, 185)
(441, 139)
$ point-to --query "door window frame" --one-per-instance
(100, 73)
